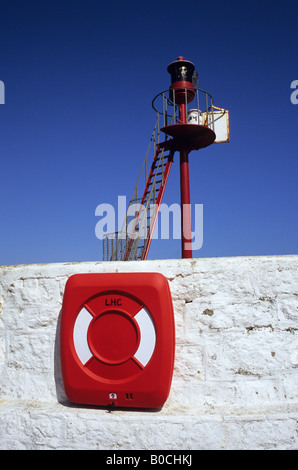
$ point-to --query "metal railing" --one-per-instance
(198, 104)
(128, 243)
(115, 246)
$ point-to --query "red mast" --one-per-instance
(186, 137)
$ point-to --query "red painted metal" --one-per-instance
(158, 202)
(185, 192)
(182, 98)
(162, 186)
(179, 88)
(185, 137)
(185, 205)
(190, 136)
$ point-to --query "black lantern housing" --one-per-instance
(181, 70)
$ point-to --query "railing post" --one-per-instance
(212, 114)
(197, 93)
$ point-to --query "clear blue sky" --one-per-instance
(79, 80)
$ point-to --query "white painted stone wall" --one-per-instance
(235, 377)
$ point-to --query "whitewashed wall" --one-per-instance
(235, 378)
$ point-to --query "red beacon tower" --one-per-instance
(186, 115)
(187, 136)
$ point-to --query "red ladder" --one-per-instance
(137, 247)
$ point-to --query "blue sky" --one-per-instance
(79, 80)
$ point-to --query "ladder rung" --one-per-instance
(156, 162)
(148, 192)
(158, 181)
(156, 189)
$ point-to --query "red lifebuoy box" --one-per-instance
(117, 339)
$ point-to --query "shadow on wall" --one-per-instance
(60, 392)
